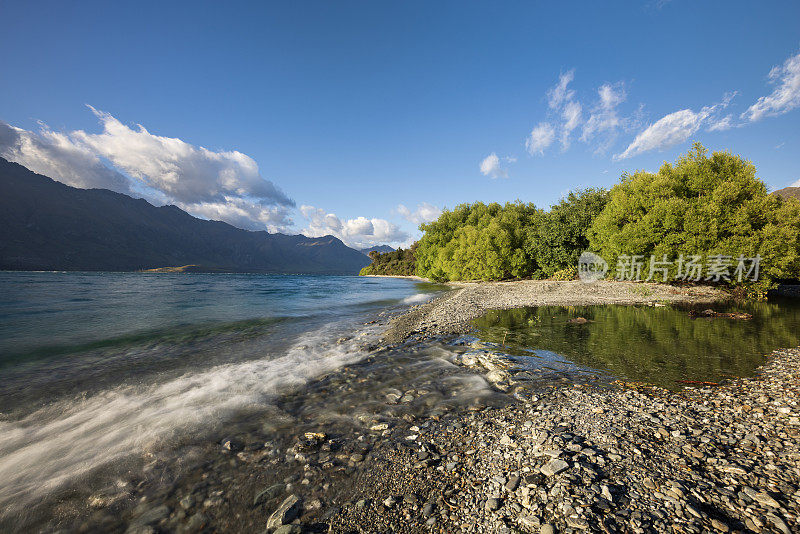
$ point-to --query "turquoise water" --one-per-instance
(60, 313)
(97, 367)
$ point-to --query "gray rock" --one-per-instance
(187, 502)
(493, 504)
(513, 483)
(288, 529)
(547, 528)
(195, 523)
(554, 467)
(286, 512)
(427, 510)
(577, 522)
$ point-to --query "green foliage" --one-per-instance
(704, 205)
(396, 263)
(479, 242)
(561, 234)
(569, 273)
(494, 242)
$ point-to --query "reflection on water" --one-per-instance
(658, 345)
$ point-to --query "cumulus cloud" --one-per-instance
(786, 95)
(359, 232)
(186, 173)
(222, 185)
(55, 155)
(541, 137)
(492, 165)
(244, 214)
(424, 213)
(673, 129)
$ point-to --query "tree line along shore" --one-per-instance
(705, 218)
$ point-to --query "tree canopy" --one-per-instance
(479, 242)
(702, 205)
(398, 262)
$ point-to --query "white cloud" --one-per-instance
(673, 129)
(184, 172)
(604, 120)
(221, 185)
(490, 166)
(541, 137)
(424, 213)
(244, 214)
(560, 94)
(359, 232)
(572, 117)
(720, 125)
(561, 100)
(54, 155)
(786, 95)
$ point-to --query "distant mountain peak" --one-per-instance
(377, 248)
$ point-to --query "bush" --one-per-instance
(570, 273)
(395, 263)
(561, 233)
(479, 242)
(702, 205)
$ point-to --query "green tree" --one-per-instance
(702, 205)
(479, 242)
(400, 262)
(561, 234)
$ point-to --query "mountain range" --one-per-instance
(47, 225)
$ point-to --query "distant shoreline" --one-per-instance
(407, 277)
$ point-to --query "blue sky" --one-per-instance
(351, 109)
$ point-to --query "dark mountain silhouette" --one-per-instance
(377, 248)
(46, 225)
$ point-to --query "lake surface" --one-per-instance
(98, 367)
(655, 345)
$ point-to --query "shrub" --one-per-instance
(702, 205)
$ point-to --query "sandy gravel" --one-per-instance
(450, 314)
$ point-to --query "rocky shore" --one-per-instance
(580, 459)
(574, 459)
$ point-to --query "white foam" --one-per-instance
(417, 299)
(70, 438)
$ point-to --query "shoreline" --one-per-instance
(576, 458)
(400, 276)
(451, 313)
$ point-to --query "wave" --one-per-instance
(417, 299)
(67, 439)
